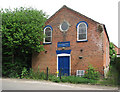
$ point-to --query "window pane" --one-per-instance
(82, 25)
(82, 31)
(82, 36)
(48, 33)
(82, 28)
(47, 29)
(48, 39)
(64, 26)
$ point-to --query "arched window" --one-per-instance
(82, 31)
(48, 34)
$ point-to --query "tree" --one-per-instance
(22, 34)
(114, 72)
(112, 52)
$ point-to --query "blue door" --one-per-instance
(64, 65)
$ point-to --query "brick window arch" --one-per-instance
(82, 31)
(48, 34)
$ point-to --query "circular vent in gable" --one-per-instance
(64, 26)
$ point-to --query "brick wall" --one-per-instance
(116, 48)
(92, 49)
(106, 59)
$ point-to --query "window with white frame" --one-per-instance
(80, 73)
(81, 31)
(48, 34)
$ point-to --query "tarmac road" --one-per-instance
(22, 84)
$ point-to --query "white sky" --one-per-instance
(102, 11)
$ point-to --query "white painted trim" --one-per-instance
(78, 31)
(63, 54)
(61, 25)
(50, 36)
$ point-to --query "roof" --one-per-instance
(106, 32)
(118, 53)
(64, 6)
(115, 45)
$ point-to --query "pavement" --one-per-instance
(23, 84)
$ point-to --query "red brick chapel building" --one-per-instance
(73, 42)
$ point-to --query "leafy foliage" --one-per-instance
(117, 65)
(77, 80)
(22, 34)
(114, 71)
(12, 70)
(55, 79)
(112, 77)
(22, 28)
(112, 53)
(24, 73)
(91, 73)
(112, 50)
(30, 74)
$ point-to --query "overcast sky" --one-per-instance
(102, 11)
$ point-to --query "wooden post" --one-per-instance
(60, 73)
(47, 74)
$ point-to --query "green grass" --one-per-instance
(72, 79)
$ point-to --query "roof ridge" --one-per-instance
(64, 6)
(83, 15)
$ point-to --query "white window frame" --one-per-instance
(47, 36)
(79, 33)
(80, 74)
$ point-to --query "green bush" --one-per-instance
(72, 79)
(78, 80)
(50, 77)
(42, 76)
(91, 73)
(12, 70)
(55, 79)
(24, 73)
(64, 79)
(118, 63)
(33, 75)
(118, 69)
(30, 74)
(112, 76)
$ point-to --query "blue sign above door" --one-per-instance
(63, 44)
(63, 51)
